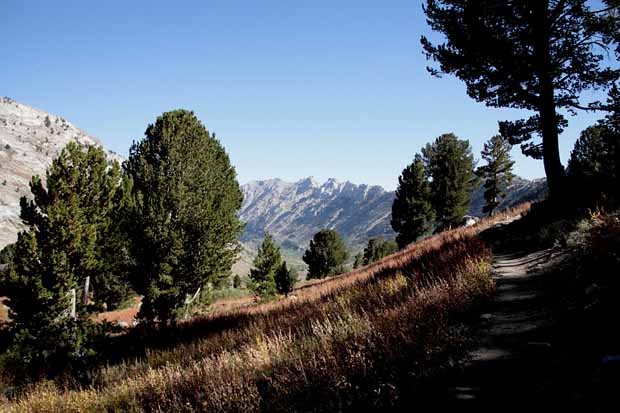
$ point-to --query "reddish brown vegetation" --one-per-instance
(358, 340)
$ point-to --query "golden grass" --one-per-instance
(4, 313)
(358, 339)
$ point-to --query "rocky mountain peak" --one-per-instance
(29, 139)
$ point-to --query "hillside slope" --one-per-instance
(29, 139)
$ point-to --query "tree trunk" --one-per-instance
(546, 108)
(551, 150)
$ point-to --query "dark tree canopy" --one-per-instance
(450, 164)
(358, 260)
(497, 173)
(538, 55)
(237, 281)
(378, 248)
(185, 226)
(594, 165)
(592, 156)
(285, 279)
(412, 212)
(326, 255)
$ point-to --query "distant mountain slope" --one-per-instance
(293, 212)
(521, 190)
(29, 140)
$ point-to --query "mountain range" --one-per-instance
(292, 212)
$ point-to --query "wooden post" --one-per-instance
(73, 303)
(86, 288)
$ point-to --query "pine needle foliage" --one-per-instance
(69, 221)
(285, 279)
(497, 173)
(378, 248)
(267, 263)
(450, 165)
(184, 225)
(326, 254)
(412, 212)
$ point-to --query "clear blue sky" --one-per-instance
(292, 88)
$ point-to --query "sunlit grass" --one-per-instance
(359, 339)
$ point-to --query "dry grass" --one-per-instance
(4, 313)
(358, 340)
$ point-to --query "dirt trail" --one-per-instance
(519, 364)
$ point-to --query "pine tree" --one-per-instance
(358, 261)
(612, 126)
(285, 279)
(267, 263)
(116, 260)
(412, 213)
(377, 249)
(326, 255)
(450, 163)
(535, 55)
(497, 173)
(6, 254)
(236, 281)
(593, 164)
(67, 223)
(184, 225)
(591, 157)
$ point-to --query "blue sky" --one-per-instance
(291, 88)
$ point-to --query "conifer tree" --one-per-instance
(535, 55)
(358, 261)
(267, 263)
(326, 254)
(497, 173)
(63, 245)
(184, 224)
(236, 281)
(412, 213)
(378, 248)
(285, 279)
(450, 163)
(593, 165)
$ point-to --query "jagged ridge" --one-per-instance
(293, 212)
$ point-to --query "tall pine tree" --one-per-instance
(68, 223)
(535, 55)
(184, 224)
(497, 173)
(450, 164)
(412, 213)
